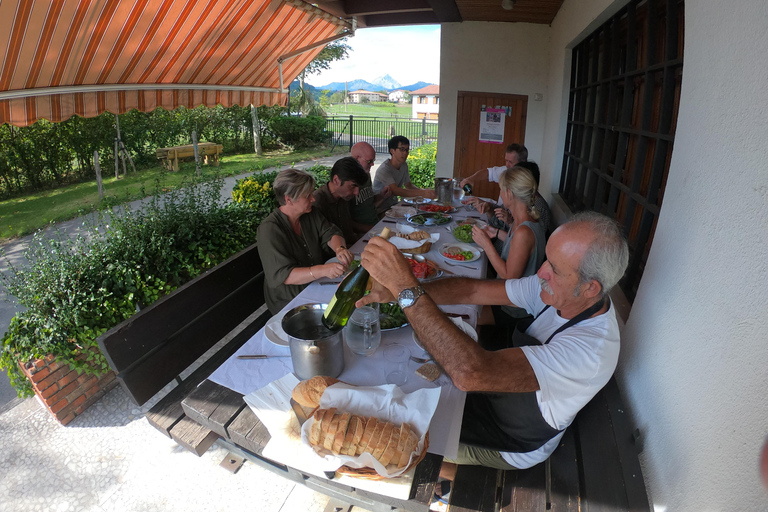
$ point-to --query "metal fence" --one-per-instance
(349, 130)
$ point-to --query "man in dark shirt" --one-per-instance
(363, 206)
(347, 176)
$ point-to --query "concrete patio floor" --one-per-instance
(109, 459)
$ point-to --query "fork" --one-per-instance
(420, 360)
(457, 265)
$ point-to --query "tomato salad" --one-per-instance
(421, 269)
(458, 255)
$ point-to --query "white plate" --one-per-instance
(274, 332)
(460, 323)
(461, 246)
(399, 212)
(416, 200)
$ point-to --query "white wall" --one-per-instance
(430, 107)
(505, 58)
(694, 362)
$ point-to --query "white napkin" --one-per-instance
(386, 402)
(404, 244)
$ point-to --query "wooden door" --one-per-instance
(471, 154)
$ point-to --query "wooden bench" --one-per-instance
(206, 150)
(595, 468)
(224, 306)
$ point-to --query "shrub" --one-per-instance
(422, 164)
(256, 191)
(299, 131)
(76, 289)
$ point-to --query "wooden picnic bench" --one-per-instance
(218, 310)
(207, 150)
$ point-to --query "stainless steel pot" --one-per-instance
(444, 190)
(315, 349)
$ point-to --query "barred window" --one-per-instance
(622, 114)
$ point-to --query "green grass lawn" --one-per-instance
(23, 215)
(378, 109)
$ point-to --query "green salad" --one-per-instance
(429, 218)
(391, 316)
(463, 233)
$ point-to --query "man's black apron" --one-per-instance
(512, 422)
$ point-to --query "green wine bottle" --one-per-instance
(351, 289)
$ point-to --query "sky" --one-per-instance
(408, 54)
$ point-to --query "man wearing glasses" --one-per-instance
(362, 207)
(393, 174)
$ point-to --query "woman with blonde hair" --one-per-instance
(523, 250)
(295, 239)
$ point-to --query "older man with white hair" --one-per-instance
(520, 398)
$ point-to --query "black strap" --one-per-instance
(597, 306)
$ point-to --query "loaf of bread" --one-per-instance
(308, 392)
(347, 434)
(415, 235)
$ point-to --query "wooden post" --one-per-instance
(117, 165)
(122, 156)
(256, 135)
(98, 173)
(127, 154)
(197, 156)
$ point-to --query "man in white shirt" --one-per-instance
(515, 153)
(520, 398)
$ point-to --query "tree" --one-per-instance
(407, 97)
(365, 99)
(337, 97)
(337, 50)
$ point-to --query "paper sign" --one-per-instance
(492, 125)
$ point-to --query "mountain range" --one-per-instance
(385, 82)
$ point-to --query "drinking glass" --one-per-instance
(363, 332)
(397, 357)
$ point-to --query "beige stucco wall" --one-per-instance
(694, 361)
(491, 57)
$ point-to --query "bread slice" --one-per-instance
(408, 448)
(429, 372)
(314, 434)
(341, 433)
(325, 423)
(389, 451)
(374, 442)
(330, 436)
(405, 433)
(354, 421)
(308, 392)
(360, 430)
(370, 427)
(386, 434)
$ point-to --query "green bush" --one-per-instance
(256, 191)
(299, 131)
(76, 289)
(422, 164)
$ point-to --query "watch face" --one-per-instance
(405, 299)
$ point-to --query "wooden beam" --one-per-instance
(446, 10)
(366, 7)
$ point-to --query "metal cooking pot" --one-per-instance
(444, 190)
(315, 349)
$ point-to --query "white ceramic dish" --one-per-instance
(400, 212)
(462, 247)
(416, 200)
(274, 332)
(461, 324)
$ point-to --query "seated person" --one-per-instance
(393, 174)
(515, 153)
(292, 240)
(520, 399)
(332, 199)
(363, 207)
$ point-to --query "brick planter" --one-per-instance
(66, 393)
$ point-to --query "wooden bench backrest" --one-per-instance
(151, 348)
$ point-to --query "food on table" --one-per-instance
(414, 235)
(429, 372)
(347, 434)
(456, 253)
(435, 208)
(429, 218)
(463, 232)
(421, 269)
(308, 392)
(350, 290)
(391, 316)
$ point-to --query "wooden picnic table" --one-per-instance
(208, 151)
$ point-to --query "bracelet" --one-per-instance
(310, 273)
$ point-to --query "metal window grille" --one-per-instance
(622, 114)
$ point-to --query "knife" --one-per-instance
(298, 411)
(257, 356)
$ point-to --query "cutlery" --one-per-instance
(258, 356)
(457, 265)
(389, 221)
(420, 360)
(330, 282)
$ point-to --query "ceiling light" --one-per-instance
(507, 4)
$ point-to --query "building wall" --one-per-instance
(429, 107)
(694, 362)
(492, 57)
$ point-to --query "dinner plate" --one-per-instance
(437, 208)
(274, 332)
(461, 246)
(436, 270)
(400, 212)
(461, 324)
(429, 219)
(416, 200)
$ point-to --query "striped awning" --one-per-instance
(64, 57)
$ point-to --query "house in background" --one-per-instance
(358, 95)
(398, 96)
(426, 102)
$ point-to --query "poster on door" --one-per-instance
(492, 125)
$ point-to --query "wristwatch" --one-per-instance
(409, 296)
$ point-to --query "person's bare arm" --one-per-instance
(411, 191)
(304, 275)
(480, 176)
